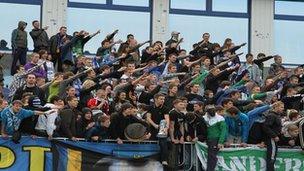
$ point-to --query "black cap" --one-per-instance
(86, 110)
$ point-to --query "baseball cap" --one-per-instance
(175, 33)
(17, 101)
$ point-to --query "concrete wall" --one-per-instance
(262, 27)
(54, 15)
(160, 20)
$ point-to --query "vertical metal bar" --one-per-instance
(109, 2)
(249, 24)
(151, 19)
(209, 6)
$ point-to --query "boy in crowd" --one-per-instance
(100, 130)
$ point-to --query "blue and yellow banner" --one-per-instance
(92, 156)
(63, 155)
(29, 155)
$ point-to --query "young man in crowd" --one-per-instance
(68, 116)
(46, 125)
(253, 69)
(39, 71)
(237, 126)
(11, 118)
(272, 128)
(176, 127)
(158, 118)
(30, 87)
(120, 121)
(19, 46)
(100, 130)
(216, 131)
(40, 37)
(193, 96)
(55, 42)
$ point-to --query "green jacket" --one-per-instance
(79, 46)
(216, 128)
(200, 78)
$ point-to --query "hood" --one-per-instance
(21, 25)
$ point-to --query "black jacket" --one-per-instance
(145, 96)
(260, 63)
(205, 49)
(33, 90)
(272, 126)
(55, 42)
(197, 129)
(40, 39)
(67, 126)
(119, 122)
(191, 98)
(81, 125)
(212, 82)
(170, 50)
(293, 102)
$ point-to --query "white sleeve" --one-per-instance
(51, 123)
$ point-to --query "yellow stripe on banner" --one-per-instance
(74, 160)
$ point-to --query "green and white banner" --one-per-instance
(252, 158)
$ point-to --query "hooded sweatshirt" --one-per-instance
(216, 128)
(19, 36)
(238, 126)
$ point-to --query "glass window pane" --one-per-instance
(189, 4)
(289, 8)
(230, 5)
(289, 40)
(220, 28)
(90, 1)
(141, 3)
(12, 14)
(108, 21)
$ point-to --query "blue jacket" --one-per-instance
(256, 113)
(11, 120)
(222, 94)
(97, 130)
(238, 126)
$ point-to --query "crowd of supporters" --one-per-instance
(204, 95)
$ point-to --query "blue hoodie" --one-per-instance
(238, 126)
(11, 120)
(244, 121)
